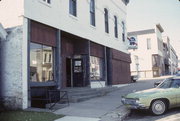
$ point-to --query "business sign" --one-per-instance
(132, 42)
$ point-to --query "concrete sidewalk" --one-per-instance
(106, 108)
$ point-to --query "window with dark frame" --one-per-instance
(106, 20)
(115, 27)
(40, 69)
(123, 31)
(73, 7)
(47, 1)
(92, 13)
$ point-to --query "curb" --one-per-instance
(119, 114)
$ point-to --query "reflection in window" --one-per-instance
(96, 68)
(41, 63)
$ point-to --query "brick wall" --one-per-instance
(11, 69)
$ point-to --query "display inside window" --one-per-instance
(41, 63)
(96, 68)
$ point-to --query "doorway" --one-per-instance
(74, 73)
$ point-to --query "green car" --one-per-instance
(158, 100)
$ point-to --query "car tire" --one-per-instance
(158, 107)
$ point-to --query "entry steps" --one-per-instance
(85, 93)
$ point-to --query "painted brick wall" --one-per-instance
(11, 69)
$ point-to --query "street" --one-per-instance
(108, 107)
(141, 115)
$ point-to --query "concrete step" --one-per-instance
(83, 98)
(82, 94)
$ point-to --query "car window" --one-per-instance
(170, 83)
(175, 83)
(165, 84)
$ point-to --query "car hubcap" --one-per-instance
(158, 107)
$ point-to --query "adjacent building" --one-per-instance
(61, 43)
(152, 55)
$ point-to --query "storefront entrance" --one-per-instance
(74, 72)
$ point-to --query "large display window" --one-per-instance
(41, 63)
(96, 68)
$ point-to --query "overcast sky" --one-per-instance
(144, 14)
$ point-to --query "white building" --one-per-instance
(85, 39)
(149, 52)
(154, 55)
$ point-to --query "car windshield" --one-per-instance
(170, 83)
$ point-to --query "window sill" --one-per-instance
(42, 84)
(107, 34)
(73, 17)
(93, 27)
(45, 3)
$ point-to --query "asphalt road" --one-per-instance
(142, 115)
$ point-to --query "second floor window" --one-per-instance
(123, 31)
(106, 20)
(92, 12)
(115, 27)
(72, 7)
(47, 1)
(148, 43)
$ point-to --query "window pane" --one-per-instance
(72, 7)
(106, 20)
(35, 62)
(148, 43)
(92, 13)
(41, 63)
(115, 27)
(96, 68)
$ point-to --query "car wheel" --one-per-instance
(158, 107)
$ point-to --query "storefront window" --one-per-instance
(96, 68)
(41, 63)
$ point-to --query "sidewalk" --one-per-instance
(106, 108)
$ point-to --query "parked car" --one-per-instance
(158, 100)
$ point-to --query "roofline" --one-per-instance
(141, 32)
(160, 27)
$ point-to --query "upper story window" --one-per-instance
(47, 1)
(115, 27)
(92, 12)
(123, 31)
(73, 7)
(106, 20)
(148, 43)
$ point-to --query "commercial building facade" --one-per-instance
(62, 44)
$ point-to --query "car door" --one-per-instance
(175, 86)
(177, 91)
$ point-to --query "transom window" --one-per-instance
(41, 63)
(73, 7)
(92, 12)
(106, 20)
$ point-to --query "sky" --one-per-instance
(144, 14)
